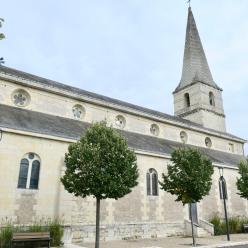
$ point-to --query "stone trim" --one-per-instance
(193, 83)
(199, 109)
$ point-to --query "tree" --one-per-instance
(100, 164)
(242, 182)
(1, 34)
(189, 178)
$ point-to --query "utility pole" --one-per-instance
(223, 196)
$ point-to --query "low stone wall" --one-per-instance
(86, 233)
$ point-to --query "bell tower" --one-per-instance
(197, 97)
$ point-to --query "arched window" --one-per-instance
(211, 99)
(186, 100)
(29, 172)
(152, 182)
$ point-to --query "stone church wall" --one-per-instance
(212, 204)
(136, 214)
(25, 205)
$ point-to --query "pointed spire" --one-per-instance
(195, 65)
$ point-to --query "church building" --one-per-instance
(39, 118)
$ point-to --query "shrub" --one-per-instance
(6, 236)
(219, 228)
(56, 231)
(235, 224)
(243, 221)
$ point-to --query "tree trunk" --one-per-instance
(97, 222)
(192, 224)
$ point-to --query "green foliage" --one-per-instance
(189, 178)
(242, 182)
(100, 164)
(235, 224)
(6, 236)
(54, 226)
(38, 226)
(1, 34)
(218, 225)
(56, 231)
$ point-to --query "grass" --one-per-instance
(235, 224)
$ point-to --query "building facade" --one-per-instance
(39, 118)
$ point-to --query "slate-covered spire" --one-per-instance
(195, 65)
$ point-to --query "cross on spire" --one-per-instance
(189, 1)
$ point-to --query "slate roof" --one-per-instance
(69, 89)
(40, 123)
(195, 65)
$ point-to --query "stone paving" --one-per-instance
(237, 240)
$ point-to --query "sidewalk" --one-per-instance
(239, 240)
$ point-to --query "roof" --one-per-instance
(40, 123)
(39, 81)
(195, 65)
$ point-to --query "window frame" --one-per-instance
(187, 102)
(211, 99)
(30, 170)
(152, 183)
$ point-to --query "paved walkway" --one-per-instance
(239, 240)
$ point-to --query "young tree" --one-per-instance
(242, 182)
(100, 164)
(189, 177)
(1, 34)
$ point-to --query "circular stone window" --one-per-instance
(120, 121)
(20, 98)
(183, 137)
(154, 129)
(78, 111)
(208, 142)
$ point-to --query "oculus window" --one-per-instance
(183, 137)
(120, 121)
(20, 98)
(208, 142)
(154, 129)
(78, 111)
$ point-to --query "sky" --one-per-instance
(131, 50)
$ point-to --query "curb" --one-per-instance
(72, 246)
(231, 244)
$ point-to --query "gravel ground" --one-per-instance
(174, 242)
